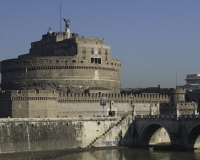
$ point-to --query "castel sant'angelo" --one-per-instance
(66, 62)
(66, 75)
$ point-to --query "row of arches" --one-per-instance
(158, 134)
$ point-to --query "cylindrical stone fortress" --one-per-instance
(56, 62)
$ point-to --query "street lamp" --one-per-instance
(103, 103)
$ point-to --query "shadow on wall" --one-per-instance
(193, 138)
(152, 135)
(126, 134)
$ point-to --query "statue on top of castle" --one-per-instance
(66, 22)
(50, 31)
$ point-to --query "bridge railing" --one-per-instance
(162, 117)
(181, 117)
(156, 117)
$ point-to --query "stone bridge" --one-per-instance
(183, 130)
(32, 134)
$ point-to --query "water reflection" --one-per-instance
(136, 154)
(119, 154)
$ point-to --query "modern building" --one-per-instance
(193, 82)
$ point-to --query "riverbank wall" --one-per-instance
(37, 134)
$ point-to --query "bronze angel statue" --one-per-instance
(66, 22)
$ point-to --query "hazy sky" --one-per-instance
(154, 39)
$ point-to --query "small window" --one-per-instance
(74, 61)
(83, 50)
(92, 60)
(92, 50)
(99, 51)
(83, 55)
(106, 52)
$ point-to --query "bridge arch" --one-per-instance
(154, 133)
(193, 136)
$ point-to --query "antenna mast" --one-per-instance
(176, 79)
(60, 15)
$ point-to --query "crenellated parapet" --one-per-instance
(151, 97)
(117, 98)
(33, 95)
(87, 98)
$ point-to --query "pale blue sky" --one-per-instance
(154, 39)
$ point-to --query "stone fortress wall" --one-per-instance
(56, 74)
(54, 104)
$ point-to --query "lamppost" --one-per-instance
(103, 103)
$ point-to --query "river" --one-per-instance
(120, 153)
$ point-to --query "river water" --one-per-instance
(105, 154)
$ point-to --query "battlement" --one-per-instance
(33, 93)
(151, 97)
(115, 97)
(177, 91)
(88, 40)
(85, 97)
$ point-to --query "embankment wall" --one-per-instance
(19, 135)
